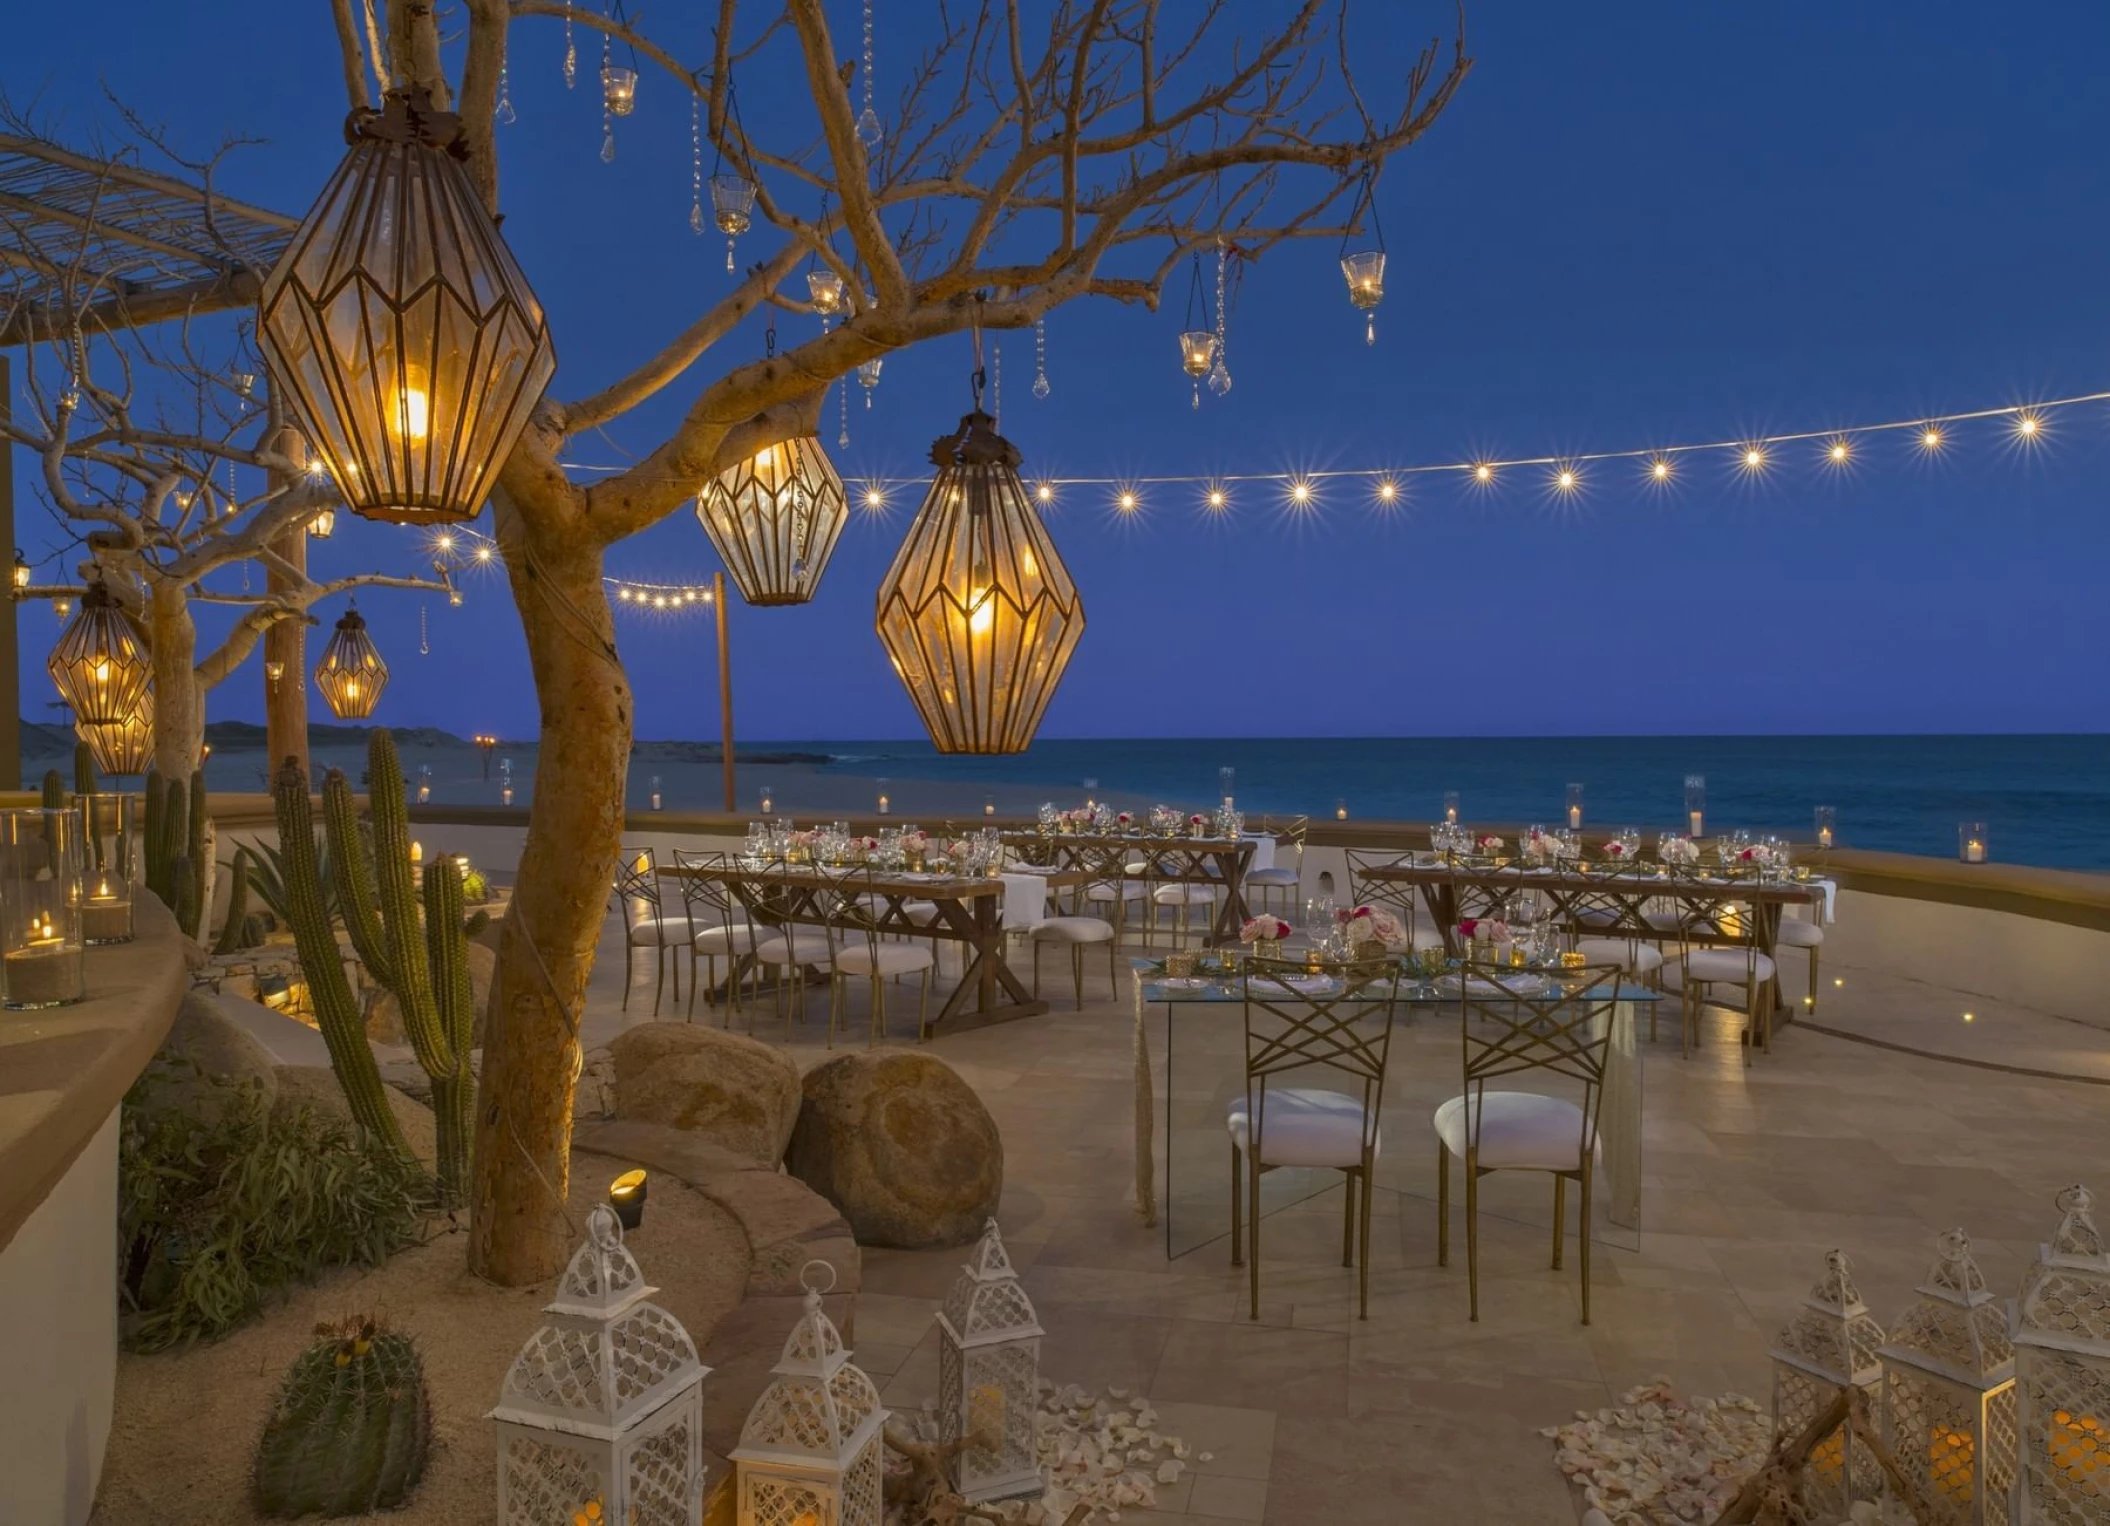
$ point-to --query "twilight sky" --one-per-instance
(1639, 225)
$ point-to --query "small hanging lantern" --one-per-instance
(1197, 343)
(351, 674)
(323, 525)
(868, 376)
(826, 289)
(732, 194)
(1365, 272)
(99, 664)
(774, 519)
(122, 748)
(811, 1451)
(1829, 1345)
(978, 611)
(600, 1420)
(2061, 1330)
(989, 1377)
(619, 89)
(22, 564)
(398, 326)
(1949, 1392)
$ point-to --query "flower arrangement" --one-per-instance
(1758, 855)
(1614, 849)
(1678, 850)
(1490, 844)
(1485, 930)
(1195, 821)
(1125, 819)
(1263, 930)
(1371, 924)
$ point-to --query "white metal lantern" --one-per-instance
(1949, 1393)
(601, 1416)
(989, 1377)
(2061, 1331)
(1830, 1344)
(811, 1452)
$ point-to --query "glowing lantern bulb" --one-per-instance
(1387, 492)
(1930, 439)
(1216, 498)
(1660, 470)
(1840, 452)
(1128, 502)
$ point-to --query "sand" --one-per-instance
(186, 1421)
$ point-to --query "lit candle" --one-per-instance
(1575, 805)
(1824, 837)
(505, 793)
(417, 852)
(769, 800)
(655, 792)
(626, 1194)
(1696, 823)
(989, 805)
(1340, 810)
(46, 970)
(1974, 851)
(883, 805)
(1574, 816)
(107, 916)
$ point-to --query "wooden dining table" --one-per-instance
(968, 911)
(1168, 859)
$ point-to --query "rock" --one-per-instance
(207, 1047)
(902, 1146)
(732, 1090)
(384, 1016)
(316, 1085)
(595, 1097)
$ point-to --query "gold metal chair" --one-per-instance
(1566, 1033)
(718, 929)
(1346, 1029)
(1284, 881)
(646, 923)
(861, 951)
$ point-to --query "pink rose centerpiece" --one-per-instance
(1371, 924)
(1125, 820)
(1263, 930)
(1681, 852)
(1490, 844)
(1614, 849)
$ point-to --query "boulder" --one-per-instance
(901, 1146)
(316, 1085)
(210, 1053)
(384, 1016)
(732, 1090)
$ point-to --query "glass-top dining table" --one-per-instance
(1189, 1052)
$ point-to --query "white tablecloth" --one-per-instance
(1263, 850)
(1025, 900)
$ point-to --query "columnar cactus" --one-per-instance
(84, 781)
(337, 1011)
(153, 807)
(351, 1428)
(199, 849)
(234, 932)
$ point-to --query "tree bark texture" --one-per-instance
(286, 642)
(179, 701)
(531, 1056)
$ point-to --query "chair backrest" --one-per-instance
(1566, 1033)
(1346, 1029)
(853, 906)
(1294, 833)
(705, 894)
(637, 883)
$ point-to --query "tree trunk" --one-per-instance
(520, 1231)
(179, 701)
(286, 643)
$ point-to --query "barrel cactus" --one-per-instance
(351, 1427)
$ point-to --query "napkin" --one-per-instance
(1025, 900)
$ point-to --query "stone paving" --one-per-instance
(1310, 1414)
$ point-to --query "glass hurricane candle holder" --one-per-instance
(1226, 778)
(1340, 810)
(109, 869)
(1696, 805)
(1450, 808)
(1575, 807)
(886, 804)
(41, 963)
(768, 800)
(1973, 846)
(1827, 824)
(657, 798)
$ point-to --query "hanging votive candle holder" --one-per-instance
(1827, 825)
(619, 90)
(41, 963)
(1973, 846)
(109, 869)
(825, 287)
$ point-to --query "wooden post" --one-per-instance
(725, 691)
(286, 642)
(10, 655)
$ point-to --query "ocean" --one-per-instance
(2045, 799)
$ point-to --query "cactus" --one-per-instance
(153, 807)
(336, 1010)
(350, 1431)
(184, 885)
(199, 849)
(54, 790)
(235, 930)
(84, 781)
(174, 837)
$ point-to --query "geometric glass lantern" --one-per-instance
(122, 747)
(810, 1453)
(774, 519)
(1949, 1393)
(989, 1377)
(99, 664)
(398, 326)
(2061, 1330)
(1829, 1345)
(351, 674)
(601, 1415)
(978, 612)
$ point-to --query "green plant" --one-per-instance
(425, 966)
(235, 931)
(337, 1012)
(351, 1427)
(199, 851)
(84, 780)
(152, 829)
(220, 1207)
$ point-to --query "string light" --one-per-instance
(1045, 492)
(1659, 468)
(874, 499)
(1840, 452)
(454, 546)
(2028, 426)
(1566, 481)
(1753, 458)
(1483, 472)
(1216, 498)
(1127, 502)
(1387, 491)
(1930, 438)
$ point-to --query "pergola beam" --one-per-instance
(136, 308)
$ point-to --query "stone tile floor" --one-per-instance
(1310, 1414)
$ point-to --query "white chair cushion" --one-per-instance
(1190, 895)
(1595, 918)
(1071, 930)
(1796, 933)
(736, 939)
(801, 948)
(1302, 1126)
(1727, 966)
(672, 927)
(1519, 1130)
(1127, 890)
(1277, 876)
(887, 959)
(922, 913)
(1634, 958)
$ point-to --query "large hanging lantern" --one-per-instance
(978, 612)
(989, 1377)
(100, 664)
(2061, 1329)
(125, 747)
(810, 1453)
(1949, 1393)
(1830, 1345)
(775, 518)
(600, 1420)
(399, 327)
(351, 674)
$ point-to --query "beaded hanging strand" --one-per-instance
(424, 637)
(996, 386)
(869, 132)
(571, 54)
(695, 164)
(504, 114)
(1220, 373)
(1040, 357)
(607, 120)
(842, 441)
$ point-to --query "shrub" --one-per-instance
(221, 1208)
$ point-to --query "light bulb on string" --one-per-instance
(1930, 439)
(1840, 452)
(1300, 492)
(1752, 458)
(1387, 491)
(1483, 473)
(1045, 492)
(2029, 426)
(1126, 502)
(1659, 469)
(1217, 498)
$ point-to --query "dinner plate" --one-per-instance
(1181, 982)
(1298, 985)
